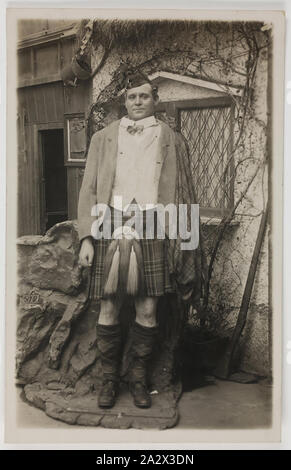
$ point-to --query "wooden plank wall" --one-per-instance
(74, 181)
(43, 107)
(44, 104)
(28, 187)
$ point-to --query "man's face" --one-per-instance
(140, 102)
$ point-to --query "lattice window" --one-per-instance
(208, 131)
(207, 125)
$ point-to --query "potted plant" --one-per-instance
(203, 343)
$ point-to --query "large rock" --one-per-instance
(50, 262)
(49, 280)
(57, 356)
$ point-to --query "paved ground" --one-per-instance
(227, 405)
(223, 405)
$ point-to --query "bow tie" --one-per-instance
(135, 129)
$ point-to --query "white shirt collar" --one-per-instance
(146, 122)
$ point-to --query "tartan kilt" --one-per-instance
(156, 271)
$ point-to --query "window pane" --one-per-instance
(207, 131)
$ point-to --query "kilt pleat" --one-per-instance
(156, 271)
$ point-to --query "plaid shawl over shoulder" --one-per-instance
(184, 265)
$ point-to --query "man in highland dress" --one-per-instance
(133, 160)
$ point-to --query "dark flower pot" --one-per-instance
(81, 69)
(199, 354)
(207, 353)
(76, 69)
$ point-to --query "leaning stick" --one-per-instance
(225, 366)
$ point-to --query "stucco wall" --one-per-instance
(174, 91)
(204, 53)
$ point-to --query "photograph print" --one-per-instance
(145, 247)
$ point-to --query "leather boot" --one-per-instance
(143, 339)
(109, 345)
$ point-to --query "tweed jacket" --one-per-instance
(173, 173)
(100, 170)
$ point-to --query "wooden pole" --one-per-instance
(224, 368)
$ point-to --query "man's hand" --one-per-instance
(86, 253)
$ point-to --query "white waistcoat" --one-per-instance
(136, 164)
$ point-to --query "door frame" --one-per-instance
(39, 155)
